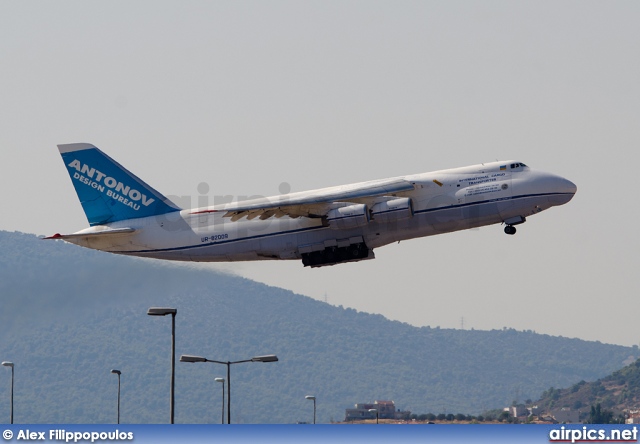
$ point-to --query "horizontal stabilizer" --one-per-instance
(92, 232)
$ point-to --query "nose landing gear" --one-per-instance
(510, 229)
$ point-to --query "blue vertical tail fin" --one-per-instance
(107, 191)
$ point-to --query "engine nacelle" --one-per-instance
(351, 216)
(392, 210)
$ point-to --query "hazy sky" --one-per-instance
(245, 96)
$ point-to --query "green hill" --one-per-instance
(617, 392)
(69, 315)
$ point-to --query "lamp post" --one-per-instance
(118, 372)
(265, 358)
(222, 381)
(377, 416)
(155, 311)
(313, 398)
(10, 364)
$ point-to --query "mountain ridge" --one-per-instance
(73, 314)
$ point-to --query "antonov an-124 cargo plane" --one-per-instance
(321, 227)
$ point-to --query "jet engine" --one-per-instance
(351, 216)
(392, 210)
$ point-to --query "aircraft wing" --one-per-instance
(318, 203)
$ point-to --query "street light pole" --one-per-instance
(265, 358)
(314, 406)
(377, 417)
(10, 364)
(222, 381)
(173, 365)
(118, 372)
(228, 392)
(155, 311)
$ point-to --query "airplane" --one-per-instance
(321, 227)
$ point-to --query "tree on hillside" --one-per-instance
(600, 416)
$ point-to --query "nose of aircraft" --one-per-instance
(559, 190)
(565, 186)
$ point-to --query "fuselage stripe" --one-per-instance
(300, 230)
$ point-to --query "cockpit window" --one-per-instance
(517, 165)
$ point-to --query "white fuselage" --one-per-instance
(442, 202)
